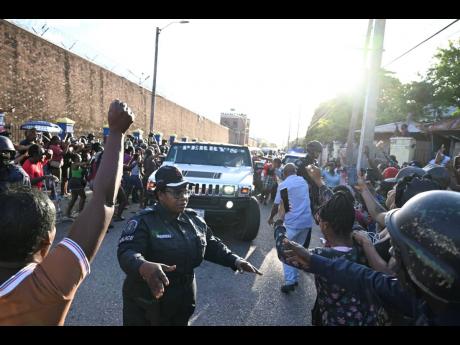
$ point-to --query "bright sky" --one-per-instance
(271, 70)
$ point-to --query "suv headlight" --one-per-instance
(245, 190)
(228, 190)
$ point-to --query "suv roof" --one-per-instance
(295, 154)
(207, 143)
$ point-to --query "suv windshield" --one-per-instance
(291, 159)
(208, 154)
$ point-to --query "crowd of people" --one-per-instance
(390, 246)
(38, 282)
(390, 240)
(66, 168)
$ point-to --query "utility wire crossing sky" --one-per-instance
(271, 70)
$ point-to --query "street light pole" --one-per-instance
(152, 108)
(157, 36)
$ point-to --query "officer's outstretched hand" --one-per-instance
(120, 116)
(154, 274)
(245, 266)
(296, 254)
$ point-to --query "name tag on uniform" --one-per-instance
(164, 236)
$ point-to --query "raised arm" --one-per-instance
(325, 193)
(90, 227)
(376, 210)
(375, 261)
(372, 164)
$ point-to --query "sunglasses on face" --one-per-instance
(177, 194)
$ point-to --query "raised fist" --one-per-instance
(120, 116)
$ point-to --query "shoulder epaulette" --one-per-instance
(190, 211)
(147, 210)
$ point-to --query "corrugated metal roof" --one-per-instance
(446, 125)
(413, 127)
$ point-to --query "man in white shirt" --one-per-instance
(297, 220)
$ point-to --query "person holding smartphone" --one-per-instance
(298, 218)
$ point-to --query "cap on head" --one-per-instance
(428, 243)
(169, 176)
(7, 151)
(390, 172)
(439, 174)
(6, 144)
(407, 171)
(412, 185)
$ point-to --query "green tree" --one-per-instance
(444, 75)
(331, 119)
(392, 102)
(419, 96)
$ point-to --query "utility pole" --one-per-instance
(370, 105)
(289, 133)
(152, 108)
(357, 101)
(298, 125)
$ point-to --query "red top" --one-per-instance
(390, 172)
(267, 166)
(35, 170)
(58, 152)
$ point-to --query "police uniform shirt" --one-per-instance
(41, 294)
(384, 289)
(156, 236)
(13, 174)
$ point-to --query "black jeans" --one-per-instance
(75, 194)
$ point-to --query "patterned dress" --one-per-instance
(335, 306)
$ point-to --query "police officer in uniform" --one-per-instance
(10, 173)
(159, 249)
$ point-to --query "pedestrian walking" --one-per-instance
(298, 218)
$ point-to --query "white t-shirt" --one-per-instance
(299, 215)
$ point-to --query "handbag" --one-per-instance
(56, 164)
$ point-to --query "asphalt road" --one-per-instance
(224, 298)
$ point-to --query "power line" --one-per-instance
(327, 113)
(444, 28)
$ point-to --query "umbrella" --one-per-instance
(65, 120)
(42, 126)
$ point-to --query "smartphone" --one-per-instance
(285, 198)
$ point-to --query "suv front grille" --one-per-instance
(205, 189)
(201, 174)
